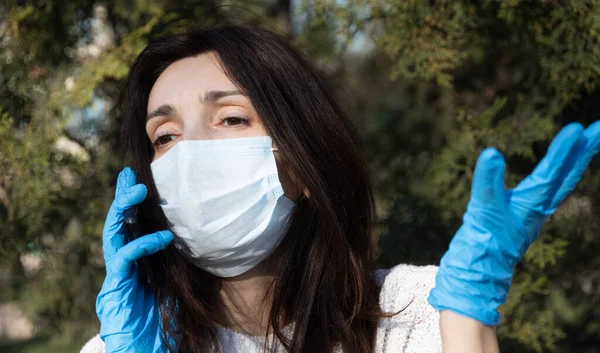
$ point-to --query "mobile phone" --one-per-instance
(132, 228)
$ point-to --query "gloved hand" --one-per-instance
(128, 313)
(476, 272)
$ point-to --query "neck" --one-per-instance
(248, 298)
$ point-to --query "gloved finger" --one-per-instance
(127, 195)
(588, 147)
(138, 248)
(550, 173)
(125, 180)
(488, 180)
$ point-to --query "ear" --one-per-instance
(305, 193)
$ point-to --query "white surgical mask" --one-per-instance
(223, 198)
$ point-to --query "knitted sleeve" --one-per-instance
(415, 327)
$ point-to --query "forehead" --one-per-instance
(187, 79)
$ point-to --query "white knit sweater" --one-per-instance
(415, 329)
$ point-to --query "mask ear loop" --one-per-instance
(299, 191)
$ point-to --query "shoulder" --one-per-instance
(94, 345)
(415, 327)
(405, 287)
(406, 277)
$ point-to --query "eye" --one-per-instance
(234, 121)
(163, 140)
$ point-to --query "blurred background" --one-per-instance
(428, 83)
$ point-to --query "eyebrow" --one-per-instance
(208, 96)
(213, 95)
(163, 110)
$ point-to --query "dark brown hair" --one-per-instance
(324, 280)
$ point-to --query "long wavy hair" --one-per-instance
(324, 282)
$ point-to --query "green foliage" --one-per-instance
(565, 39)
(432, 39)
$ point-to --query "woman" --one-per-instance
(257, 213)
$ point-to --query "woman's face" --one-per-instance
(193, 99)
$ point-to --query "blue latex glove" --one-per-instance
(128, 313)
(476, 272)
